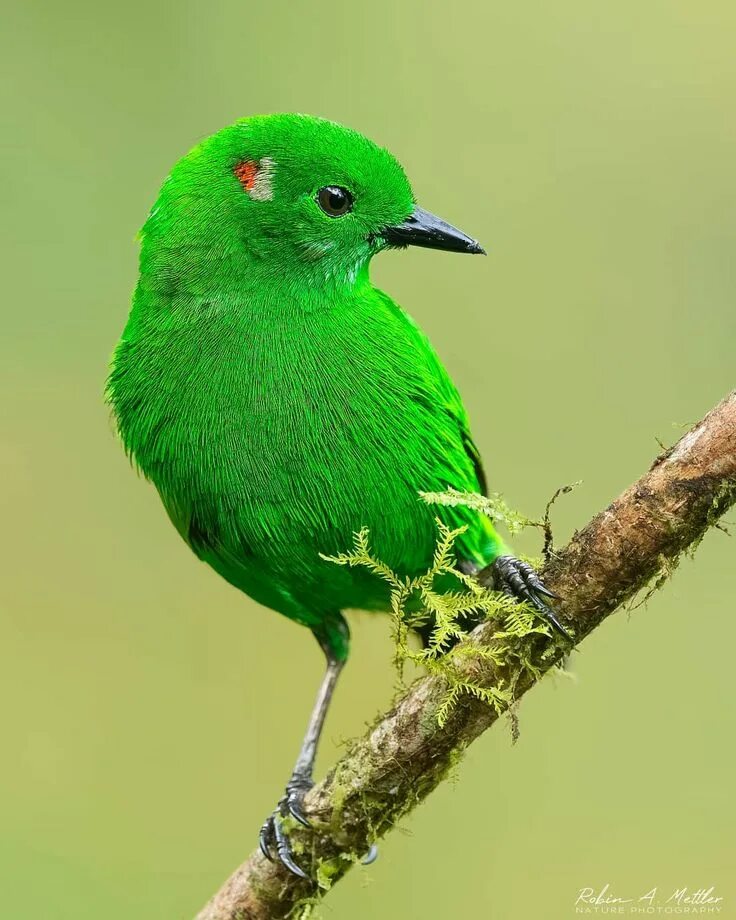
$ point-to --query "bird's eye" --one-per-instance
(334, 200)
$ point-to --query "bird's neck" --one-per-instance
(187, 266)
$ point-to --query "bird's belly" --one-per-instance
(327, 483)
(271, 543)
(302, 487)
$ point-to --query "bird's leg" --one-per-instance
(301, 778)
(292, 802)
(518, 579)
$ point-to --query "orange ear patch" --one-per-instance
(256, 177)
(246, 173)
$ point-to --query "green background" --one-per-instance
(151, 714)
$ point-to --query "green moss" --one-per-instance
(512, 649)
(329, 870)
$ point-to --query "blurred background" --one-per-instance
(151, 715)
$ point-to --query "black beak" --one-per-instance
(424, 229)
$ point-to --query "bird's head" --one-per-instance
(287, 199)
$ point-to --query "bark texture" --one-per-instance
(406, 754)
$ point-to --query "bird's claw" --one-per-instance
(273, 836)
(518, 579)
(371, 856)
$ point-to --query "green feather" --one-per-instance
(277, 400)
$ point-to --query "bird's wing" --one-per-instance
(436, 389)
(471, 476)
(463, 467)
(481, 542)
(472, 451)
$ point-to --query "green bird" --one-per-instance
(280, 402)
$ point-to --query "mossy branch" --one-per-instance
(630, 546)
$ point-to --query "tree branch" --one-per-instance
(633, 543)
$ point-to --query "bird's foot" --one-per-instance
(518, 579)
(273, 836)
